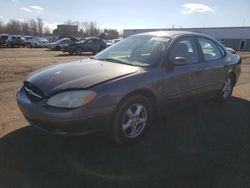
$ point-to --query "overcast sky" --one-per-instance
(128, 14)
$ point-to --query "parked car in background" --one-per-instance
(121, 88)
(231, 50)
(39, 42)
(58, 45)
(111, 42)
(89, 44)
(3, 39)
(117, 40)
(28, 40)
(16, 40)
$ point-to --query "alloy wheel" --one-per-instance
(228, 86)
(134, 120)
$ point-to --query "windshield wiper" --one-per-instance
(112, 60)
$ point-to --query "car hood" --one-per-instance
(77, 75)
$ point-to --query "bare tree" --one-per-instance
(111, 33)
(2, 27)
(14, 27)
(25, 28)
(33, 27)
(40, 25)
(47, 30)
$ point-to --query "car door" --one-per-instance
(212, 70)
(65, 43)
(181, 81)
(90, 45)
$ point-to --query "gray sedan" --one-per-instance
(123, 87)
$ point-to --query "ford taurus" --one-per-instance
(123, 87)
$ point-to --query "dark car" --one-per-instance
(3, 39)
(121, 88)
(15, 40)
(90, 44)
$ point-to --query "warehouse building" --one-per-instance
(237, 38)
(65, 29)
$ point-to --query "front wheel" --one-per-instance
(131, 120)
(226, 90)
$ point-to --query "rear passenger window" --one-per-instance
(210, 50)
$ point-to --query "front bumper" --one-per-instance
(64, 121)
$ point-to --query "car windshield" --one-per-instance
(137, 50)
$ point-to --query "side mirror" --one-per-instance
(179, 61)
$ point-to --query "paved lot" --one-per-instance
(205, 145)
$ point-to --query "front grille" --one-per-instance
(33, 92)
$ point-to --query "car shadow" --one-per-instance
(206, 145)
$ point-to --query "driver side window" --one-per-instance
(185, 48)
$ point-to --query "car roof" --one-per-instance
(172, 33)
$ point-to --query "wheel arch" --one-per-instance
(232, 73)
(149, 95)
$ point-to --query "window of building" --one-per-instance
(242, 44)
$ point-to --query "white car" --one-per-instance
(37, 42)
(58, 45)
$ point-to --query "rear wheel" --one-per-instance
(131, 120)
(227, 89)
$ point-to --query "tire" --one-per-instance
(227, 89)
(78, 51)
(131, 120)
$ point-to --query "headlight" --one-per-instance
(71, 99)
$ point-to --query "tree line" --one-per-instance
(36, 27)
(30, 27)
